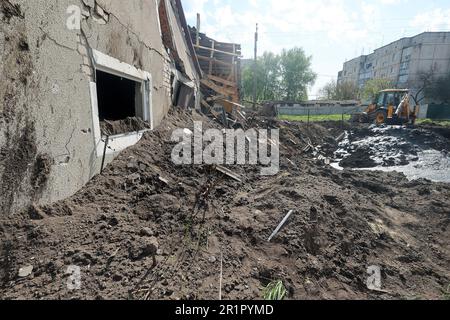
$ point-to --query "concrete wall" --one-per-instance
(47, 143)
(333, 110)
(314, 111)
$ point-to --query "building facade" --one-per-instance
(67, 68)
(402, 61)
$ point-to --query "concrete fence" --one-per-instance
(318, 111)
(431, 111)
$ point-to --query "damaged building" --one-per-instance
(81, 81)
(220, 64)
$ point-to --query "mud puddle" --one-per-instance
(417, 153)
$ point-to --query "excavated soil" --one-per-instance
(131, 124)
(193, 219)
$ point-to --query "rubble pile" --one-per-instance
(149, 229)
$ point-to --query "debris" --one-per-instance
(146, 232)
(229, 173)
(340, 137)
(163, 180)
(25, 271)
(281, 225)
(187, 132)
(344, 202)
(143, 250)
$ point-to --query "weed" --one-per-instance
(275, 291)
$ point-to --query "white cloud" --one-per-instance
(330, 30)
(435, 20)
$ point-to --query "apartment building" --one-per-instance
(402, 61)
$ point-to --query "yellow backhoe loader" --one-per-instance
(391, 107)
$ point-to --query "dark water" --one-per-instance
(417, 154)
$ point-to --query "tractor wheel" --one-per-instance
(380, 117)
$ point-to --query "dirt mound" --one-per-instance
(193, 219)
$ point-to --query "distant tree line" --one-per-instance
(285, 76)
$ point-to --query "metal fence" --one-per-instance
(438, 112)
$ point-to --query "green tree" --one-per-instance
(374, 86)
(328, 92)
(347, 91)
(341, 91)
(296, 74)
(279, 77)
(268, 78)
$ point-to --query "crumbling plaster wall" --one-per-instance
(47, 146)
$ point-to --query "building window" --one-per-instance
(121, 104)
(118, 98)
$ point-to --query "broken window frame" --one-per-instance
(177, 85)
(113, 66)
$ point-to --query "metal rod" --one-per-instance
(281, 225)
(104, 154)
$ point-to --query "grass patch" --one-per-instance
(316, 118)
(445, 123)
(275, 291)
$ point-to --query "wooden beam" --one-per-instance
(222, 81)
(207, 106)
(212, 57)
(215, 98)
(230, 65)
(216, 88)
(218, 51)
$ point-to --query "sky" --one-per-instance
(331, 31)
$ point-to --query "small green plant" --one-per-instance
(275, 291)
(446, 293)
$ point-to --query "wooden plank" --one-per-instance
(218, 51)
(222, 81)
(216, 88)
(207, 106)
(230, 65)
(212, 57)
(215, 98)
(229, 173)
(232, 76)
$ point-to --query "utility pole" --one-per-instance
(255, 70)
(197, 35)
